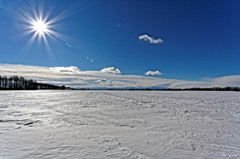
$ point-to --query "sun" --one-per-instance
(40, 27)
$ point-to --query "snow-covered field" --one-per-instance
(119, 124)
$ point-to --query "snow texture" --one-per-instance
(119, 125)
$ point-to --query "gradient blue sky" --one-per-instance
(201, 38)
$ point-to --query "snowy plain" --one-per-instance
(119, 125)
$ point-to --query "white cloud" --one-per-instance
(111, 70)
(73, 77)
(102, 80)
(71, 69)
(150, 39)
(153, 73)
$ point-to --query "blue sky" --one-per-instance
(200, 38)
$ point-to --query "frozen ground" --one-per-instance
(119, 124)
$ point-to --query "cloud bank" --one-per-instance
(107, 78)
(149, 39)
(153, 73)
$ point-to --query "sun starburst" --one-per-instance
(40, 27)
(38, 24)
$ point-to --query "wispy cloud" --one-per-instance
(74, 77)
(111, 70)
(118, 25)
(152, 73)
(149, 39)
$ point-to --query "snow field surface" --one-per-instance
(119, 125)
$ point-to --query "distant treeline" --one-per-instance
(208, 89)
(20, 83)
(173, 89)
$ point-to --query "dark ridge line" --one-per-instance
(237, 89)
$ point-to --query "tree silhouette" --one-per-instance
(20, 83)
